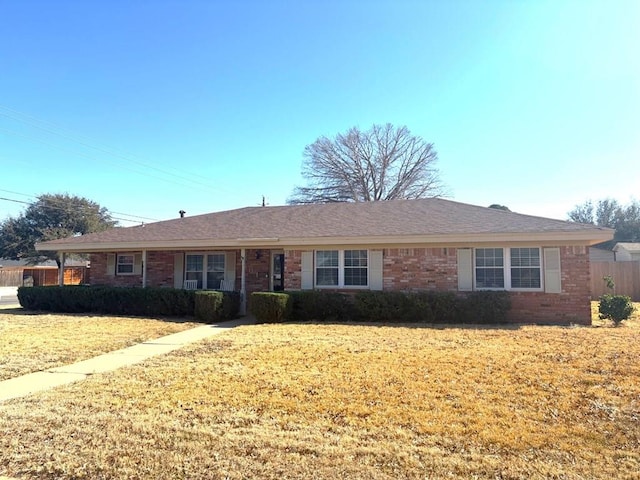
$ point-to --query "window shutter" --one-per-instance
(307, 271)
(465, 269)
(230, 268)
(375, 270)
(552, 279)
(137, 264)
(178, 270)
(111, 264)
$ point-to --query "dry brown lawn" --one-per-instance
(347, 401)
(34, 342)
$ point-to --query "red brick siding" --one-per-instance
(257, 275)
(99, 274)
(292, 269)
(573, 305)
(415, 269)
(411, 269)
(160, 269)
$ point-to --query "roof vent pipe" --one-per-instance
(182, 212)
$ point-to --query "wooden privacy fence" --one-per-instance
(16, 277)
(626, 276)
(10, 278)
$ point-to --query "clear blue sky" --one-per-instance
(149, 107)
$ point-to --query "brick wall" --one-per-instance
(573, 305)
(160, 269)
(411, 269)
(292, 269)
(257, 275)
(415, 269)
(99, 274)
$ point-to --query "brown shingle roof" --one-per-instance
(397, 218)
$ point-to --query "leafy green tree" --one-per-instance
(51, 217)
(624, 219)
(497, 206)
(382, 163)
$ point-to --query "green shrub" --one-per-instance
(437, 307)
(230, 308)
(433, 307)
(214, 306)
(388, 307)
(615, 307)
(269, 307)
(484, 307)
(108, 300)
(321, 306)
(207, 304)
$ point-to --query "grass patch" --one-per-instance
(347, 401)
(35, 342)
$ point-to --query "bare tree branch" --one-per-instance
(382, 163)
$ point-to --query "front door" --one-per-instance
(277, 271)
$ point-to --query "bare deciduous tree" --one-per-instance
(382, 163)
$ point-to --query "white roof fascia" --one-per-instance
(586, 238)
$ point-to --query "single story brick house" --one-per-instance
(408, 245)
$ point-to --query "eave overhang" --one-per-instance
(555, 238)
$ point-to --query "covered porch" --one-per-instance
(244, 270)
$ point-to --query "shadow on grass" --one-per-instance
(19, 311)
(416, 325)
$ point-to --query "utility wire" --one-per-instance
(110, 211)
(67, 208)
(50, 128)
(94, 159)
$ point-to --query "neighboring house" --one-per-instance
(627, 252)
(406, 245)
(601, 255)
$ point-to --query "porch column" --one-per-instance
(243, 289)
(144, 268)
(62, 257)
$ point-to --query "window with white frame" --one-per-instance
(209, 278)
(489, 268)
(508, 268)
(215, 270)
(342, 268)
(327, 268)
(356, 271)
(124, 264)
(194, 269)
(525, 268)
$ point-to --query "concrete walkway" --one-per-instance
(54, 377)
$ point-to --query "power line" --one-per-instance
(54, 129)
(57, 208)
(110, 211)
(90, 157)
(67, 209)
(50, 128)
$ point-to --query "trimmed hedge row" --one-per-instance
(381, 307)
(207, 306)
(213, 306)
